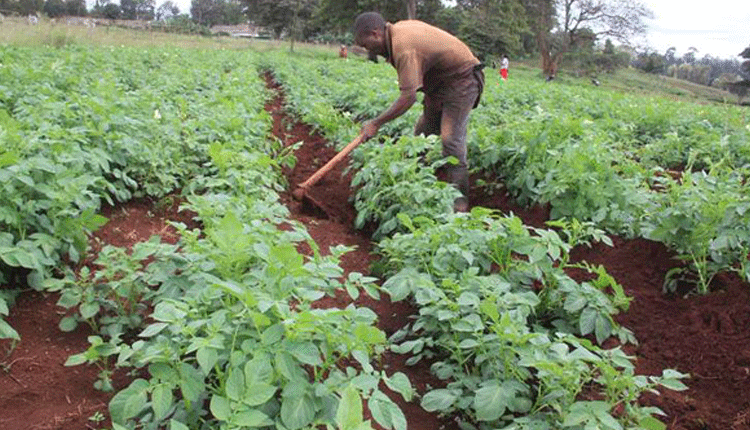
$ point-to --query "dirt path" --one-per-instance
(333, 225)
(708, 337)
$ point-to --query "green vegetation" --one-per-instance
(221, 327)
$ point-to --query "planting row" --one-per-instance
(638, 167)
(218, 329)
(499, 319)
(80, 127)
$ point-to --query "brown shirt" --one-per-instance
(426, 57)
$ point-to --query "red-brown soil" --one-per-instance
(705, 336)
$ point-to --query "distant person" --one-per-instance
(435, 62)
(504, 67)
(343, 52)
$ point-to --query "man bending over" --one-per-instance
(435, 62)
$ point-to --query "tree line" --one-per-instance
(587, 37)
(708, 70)
(580, 33)
(555, 30)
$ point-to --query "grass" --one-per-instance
(634, 81)
(16, 31)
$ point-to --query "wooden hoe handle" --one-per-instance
(315, 177)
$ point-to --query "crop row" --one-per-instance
(219, 330)
(638, 167)
(499, 319)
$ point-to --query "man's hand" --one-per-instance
(369, 130)
(401, 105)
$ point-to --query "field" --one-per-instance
(157, 273)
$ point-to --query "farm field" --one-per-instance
(156, 272)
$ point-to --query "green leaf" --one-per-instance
(176, 425)
(489, 308)
(400, 383)
(490, 403)
(88, 310)
(438, 400)
(369, 334)
(219, 407)
(259, 369)
(153, 329)
(297, 411)
(349, 412)
(576, 417)
(252, 418)
(17, 257)
(192, 383)
(287, 366)
(76, 359)
(603, 328)
(207, 358)
(673, 384)
(235, 385)
(272, 334)
(161, 400)
(587, 321)
(259, 393)
(306, 353)
(68, 324)
(386, 412)
(69, 298)
(7, 332)
(651, 423)
(405, 282)
(575, 302)
(129, 402)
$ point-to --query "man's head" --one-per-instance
(369, 32)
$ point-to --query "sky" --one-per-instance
(720, 28)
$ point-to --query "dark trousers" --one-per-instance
(446, 112)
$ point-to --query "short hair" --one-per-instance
(367, 22)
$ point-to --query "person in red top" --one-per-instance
(437, 63)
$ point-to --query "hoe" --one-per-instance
(301, 191)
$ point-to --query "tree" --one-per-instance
(29, 7)
(651, 62)
(111, 11)
(493, 27)
(411, 9)
(339, 15)
(291, 16)
(669, 56)
(202, 11)
(137, 9)
(447, 18)
(745, 67)
(166, 10)
(560, 25)
(542, 18)
(690, 56)
(75, 7)
(54, 8)
(429, 11)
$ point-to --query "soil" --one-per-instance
(705, 336)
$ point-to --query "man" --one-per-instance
(433, 61)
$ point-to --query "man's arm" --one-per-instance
(398, 108)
